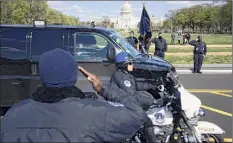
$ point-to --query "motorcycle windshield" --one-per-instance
(190, 104)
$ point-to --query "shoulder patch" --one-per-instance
(127, 83)
(115, 104)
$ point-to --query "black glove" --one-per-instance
(91, 95)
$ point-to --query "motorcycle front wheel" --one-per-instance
(214, 138)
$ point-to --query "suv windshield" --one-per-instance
(124, 44)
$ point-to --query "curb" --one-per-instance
(203, 66)
(205, 71)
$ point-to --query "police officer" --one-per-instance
(147, 43)
(160, 45)
(188, 37)
(60, 112)
(199, 51)
(133, 40)
(123, 78)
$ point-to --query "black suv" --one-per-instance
(93, 48)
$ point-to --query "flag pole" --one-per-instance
(144, 4)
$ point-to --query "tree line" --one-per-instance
(204, 18)
(104, 22)
(25, 12)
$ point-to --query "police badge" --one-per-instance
(127, 83)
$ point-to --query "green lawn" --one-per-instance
(213, 39)
(208, 59)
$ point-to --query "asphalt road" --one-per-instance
(215, 92)
(205, 81)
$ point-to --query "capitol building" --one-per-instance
(126, 20)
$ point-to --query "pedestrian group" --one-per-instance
(143, 43)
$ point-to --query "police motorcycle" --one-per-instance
(178, 119)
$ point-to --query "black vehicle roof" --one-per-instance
(102, 29)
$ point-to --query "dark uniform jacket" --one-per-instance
(127, 82)
(188, 36)
(160, 44)
(199, 47)
(144, 43)
(75, 119)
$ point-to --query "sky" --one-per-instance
(87, 10)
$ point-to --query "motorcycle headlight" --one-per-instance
(201, 113)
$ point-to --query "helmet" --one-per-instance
(122, 59)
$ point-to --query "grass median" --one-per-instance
(190, 50)
(223, 59)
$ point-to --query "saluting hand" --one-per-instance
(95, 81)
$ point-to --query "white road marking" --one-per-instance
(205, 71)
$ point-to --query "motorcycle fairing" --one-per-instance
(204, 127)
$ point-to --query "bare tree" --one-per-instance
(106, 21)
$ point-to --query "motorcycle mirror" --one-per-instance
(161, 88)
(111, 53)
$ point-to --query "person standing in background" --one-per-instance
(184, 38)
(173, 36)
(160, 45)
(188, 37)
(144, 42)
(179, 37)
(141, 44)
(133, 40)
(199, 53)
(147, 43)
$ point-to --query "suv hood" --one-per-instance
(159, 62)
(156, 63)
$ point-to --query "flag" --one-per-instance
(145, 24)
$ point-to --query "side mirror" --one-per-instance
(111, 53)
